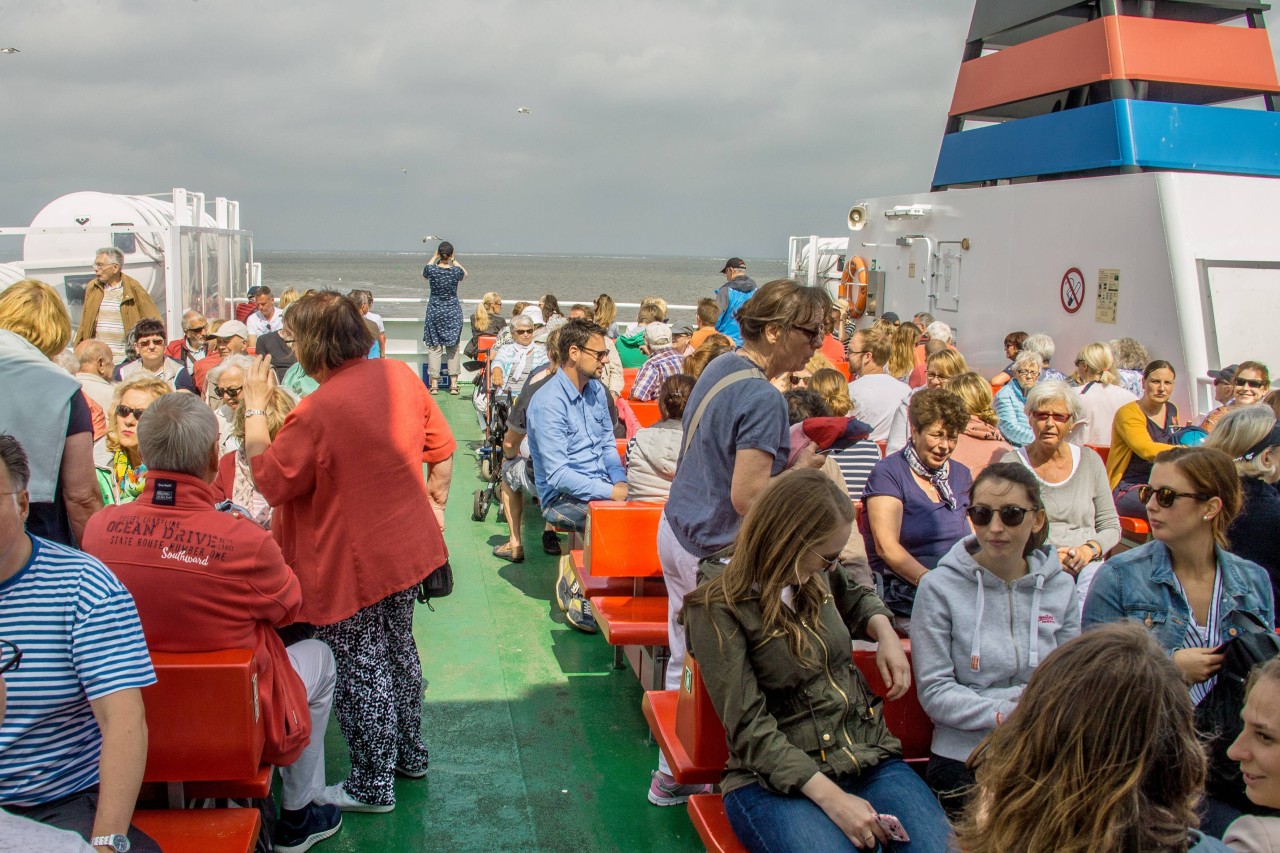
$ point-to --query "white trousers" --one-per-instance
(302, 780)
(680, 571)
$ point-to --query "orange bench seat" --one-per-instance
(646, 411)
(622, 539)
(592, 585)
(201, 830)
(629, 620)
(707, 813)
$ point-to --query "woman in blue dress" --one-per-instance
(443, 326)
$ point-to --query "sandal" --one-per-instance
(434, 391)
(506, 552)
(453, 388)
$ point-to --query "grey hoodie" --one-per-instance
(975, 640)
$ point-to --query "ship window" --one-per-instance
(127, 243)
(74, 286)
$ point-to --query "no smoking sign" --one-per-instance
(1072, 291)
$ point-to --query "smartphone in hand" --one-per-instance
(892, 828)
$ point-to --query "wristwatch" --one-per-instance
(248, 413)
(119, 843)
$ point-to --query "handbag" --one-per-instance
(438, 584)
(1218, 714)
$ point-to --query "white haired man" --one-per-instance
(113, 303)
(226, 587)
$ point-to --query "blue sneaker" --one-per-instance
(318, 823)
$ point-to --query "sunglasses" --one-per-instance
(123, 411)
(522, 331)
(1165, 496)
(1057, 417)
(151, 342)
(799, 380)
(1249, 383)
(199, 330)
(10, 656)
(597, 353)
(1010, 516)
(221, 392)
(815, 334)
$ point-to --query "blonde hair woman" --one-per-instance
(902, 352)
(56, 426)
(121, 471)
(488, 317)
(981, 443)
(235, 480)
(1251, 437)
(939, 367)
(1101, 396)
(288, 297)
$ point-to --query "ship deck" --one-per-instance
(537, 742)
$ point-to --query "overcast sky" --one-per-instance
(658, 126)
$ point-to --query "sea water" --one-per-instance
(570, 278)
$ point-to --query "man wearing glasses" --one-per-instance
(73, 750)
(876, 395)
(113, 303)
(190, 348)
(232, 338)
(571, 443)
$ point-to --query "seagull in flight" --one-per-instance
(15, 50)
(403, 169)
(524, 111)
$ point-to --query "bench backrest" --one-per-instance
(203, 718)
(646, 411)
(698, 727)
(628, 379)
(905, 717)
(622, 539)
(484, 345)
(1102, 451)
(621, 444)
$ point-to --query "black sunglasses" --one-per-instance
(123, 411)
(1165, 496)
(10, 656)
(221, 392)
(1252, 383)
(1010, 516)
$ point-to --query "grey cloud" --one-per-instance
(657, 126)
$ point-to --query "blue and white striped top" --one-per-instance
(1205, 636)
(80, 638)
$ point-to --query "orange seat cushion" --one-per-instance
(627, 620)
(201, 830)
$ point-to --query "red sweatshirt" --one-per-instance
(203, 581)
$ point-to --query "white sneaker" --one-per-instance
(336, 795)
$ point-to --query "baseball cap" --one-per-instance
(734, 264)
(657, 335)
(676, 331)
(534, 313)
(890, 316)
(1226, 374)
(232, 329)
(253, 291)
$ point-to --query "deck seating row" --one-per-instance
(1133, 531)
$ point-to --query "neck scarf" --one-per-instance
(130, 481)
(938, 477)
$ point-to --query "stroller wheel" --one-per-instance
(486, 468)
(481, 506)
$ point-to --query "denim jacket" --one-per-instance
(1140, 584)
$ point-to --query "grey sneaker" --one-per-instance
(665, 791)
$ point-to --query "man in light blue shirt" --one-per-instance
(571, 443)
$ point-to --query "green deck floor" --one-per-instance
(536, 742)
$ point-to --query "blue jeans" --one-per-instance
(566, 513)
(766, 822)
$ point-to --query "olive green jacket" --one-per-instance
(134, 305)
(785, 722)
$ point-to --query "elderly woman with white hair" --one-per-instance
(1101, 395)
(1011, 400)
(1083, 524)
(226, 393)
(1251, 436)
(1043, 346)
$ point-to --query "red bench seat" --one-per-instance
(629, 620)
(201, 830)
(592, 585)
(707, 813)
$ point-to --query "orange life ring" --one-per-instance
(855, 278)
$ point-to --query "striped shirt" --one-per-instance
(855, 464)
(81, 640)
(1208, 636)
(109, 327)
